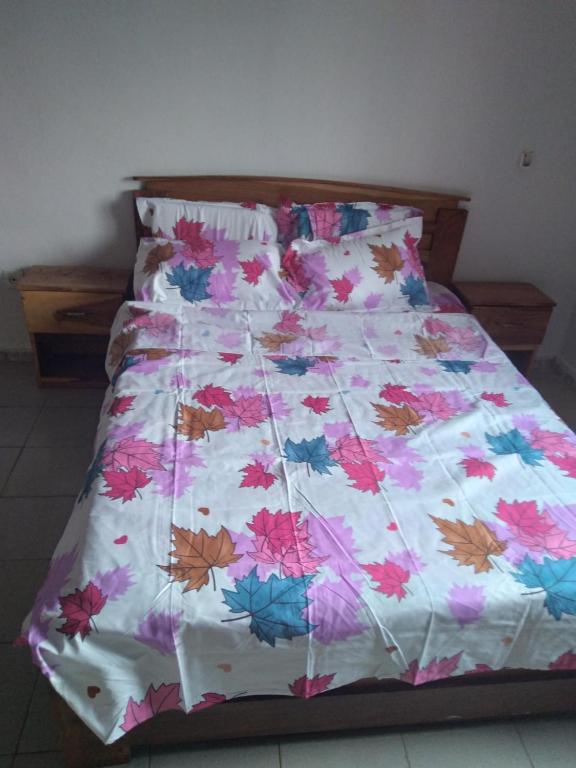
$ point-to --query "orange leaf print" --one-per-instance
(388, 261)
(156, 256)
(151, 353)
(471, 544)
(195, 423)
(431, 347)
(397, 419)
(273, 341)
(197, 554)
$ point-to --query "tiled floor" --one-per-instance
(44, 451)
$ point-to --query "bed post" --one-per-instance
(448, 231)
(82, 748)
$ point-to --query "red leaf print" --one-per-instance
(252, 269)
(210, 395)
(566, 463)
(365, 476)
(391, 578)
(121, 405)
(134, 452)
(190, 232)
(566, 661)
(305, 687)
(317, 404)
(246, 411)
(255, 476)
(78, 608)
(124, 483)
(342, 289)
(435, 670)
(230, 357)
(497, 398)
(552, 442)
(523, 518)
(290, 323)
(478, 468)
(282, 530)
(161, 699)
(355, 450)
(209, 700)
(397, 394)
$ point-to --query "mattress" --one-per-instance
(283, 503)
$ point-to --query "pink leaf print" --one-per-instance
(496, 398)
(435, 326)
(158, 631)
(305, 687)
(209, 700)
(115, 583)
(365, 476)
(553, 443)
(134, 453)
(190, 232)
(478, 468)
(318, 405)
(255, 476)
(333, 610)
(372, 301)
(434, 406)
(210, 396)
(325, 220)
(466, 603)
(121, 405)
(290, 322)
(124, 483)
(282, 530)
(565, 463)
(398, 394)
(565, 661)
(245, 412)
(359, 381)
(156, 700)
(252, 270)
(342, 289)
(230, 357)
(437, 669)
(522, 518)
(390, 577)
(78, 609)
(332, 538)
(354, 450)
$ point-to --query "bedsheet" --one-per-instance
(287, 502)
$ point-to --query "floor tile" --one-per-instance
(475, 746)
(8, 458)
(58, 427)
(233, 756)
(40, 732)
(49, 471)
(365, 750)
(75, 398)
(550, 743)
(45, 760)
(16, 423)
(20, 580)
(31, 527)
(17, 676)
(18, 386)
(5, 761)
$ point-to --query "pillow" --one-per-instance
(330, 221)
(380, 271)
(230, 274)
(443, 300)
(189, 220)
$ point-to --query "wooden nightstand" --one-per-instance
(516, 316)
(69, 311)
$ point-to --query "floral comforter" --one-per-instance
(284, 503)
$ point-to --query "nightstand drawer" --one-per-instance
(514, 327)
(70, 312)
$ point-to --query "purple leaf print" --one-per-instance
(485, 367)
(359, 381)
(277, 407)
(404, 475)
(264, 458)
(58, 575)
(336, 429)
(158, 631)
(525, 423)
(114, 583)
(230, 339)
(35, 636)
(354, 275)
(372, 301)
(407, 559)
(466, 603)
(564, 517)
(331, 538)
(337, 604)
(118, 432)
(221, 287)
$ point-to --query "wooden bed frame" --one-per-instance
(367, 703)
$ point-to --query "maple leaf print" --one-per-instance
(318, 405)
(290, 322)
(471, 544)
(511, 442)
(79, 608)
(431, 347)
(334, 609)
(156, 256)
(565, 661)
(353, 219)
(189, 231)
(391, 578)
(195, 423)
(555, 578)
(274, 342)
(282, 530)
(397, 419)
(114, 583)
(566, 464)
(134, 453)
(398, 395)
(252, 269)
(256, 476)
(245, 412)
(160, 699)
(388, 261)
(192, 282)
(365, 476)
(466, 603)
(210, 395)
(305, 687)
(295, 366)
(314, 453)
(230, 357)
(124, 483)
(434, 406)
(121, 405)
(415, 291)
(356, 450)
(208, 700)
(437, 669)
(158, 630)
(478, 468)
(197, 554)
(496, 398)
(342, 289)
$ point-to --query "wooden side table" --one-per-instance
(515, 315)
(69, 311)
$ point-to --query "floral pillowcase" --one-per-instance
(225, 274)
(379, 271)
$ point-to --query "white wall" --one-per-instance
(439, 94)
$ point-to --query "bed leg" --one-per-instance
(80, 747)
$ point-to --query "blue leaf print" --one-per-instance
(274, 606)
(303, 226)
(353, 219)
(294, 366)
(314, 453)
(456, 366)
(94, 470)
(128, 361)
(193, 282)
(415, 290)
(555, 577)
(514, 442)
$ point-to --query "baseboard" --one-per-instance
(18, 355)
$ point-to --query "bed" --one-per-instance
(303, 520)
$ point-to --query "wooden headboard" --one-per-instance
(443, 220)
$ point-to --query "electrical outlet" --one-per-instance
(526, 158)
